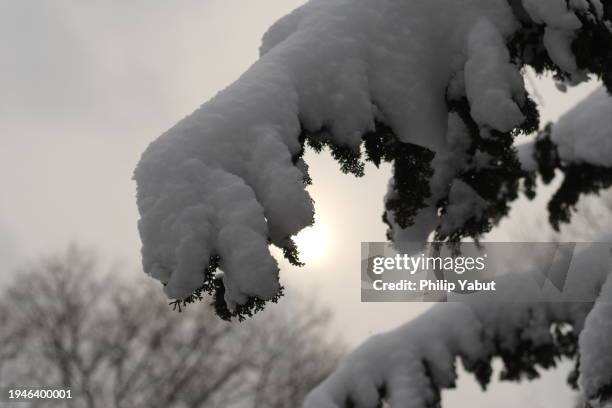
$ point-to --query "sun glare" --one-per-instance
(311, 243)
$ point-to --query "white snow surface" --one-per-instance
(558, 43)
(492, 83)
(584, 134)
(554, 13)
(526, 155)
(561, 25)
(463, 204)
(222, 182)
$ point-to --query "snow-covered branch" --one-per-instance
(434, 87)
(578, 146)
(409, 366)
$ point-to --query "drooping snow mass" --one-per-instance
(492, 82)
(217, 185)
(561, 25)
(463, 204)
(579, 148)
(408, 367)
(581, 136)
(426, 84)
(584, 134)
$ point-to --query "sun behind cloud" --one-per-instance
(311, 243)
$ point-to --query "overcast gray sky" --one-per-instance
(87, 85)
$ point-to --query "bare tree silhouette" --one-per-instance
(118, 344)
